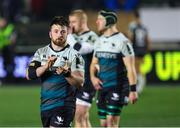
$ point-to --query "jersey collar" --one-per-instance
(67, 46)
(112, 35)
(84, 33)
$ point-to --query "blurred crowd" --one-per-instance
(15, 10)
(21, 10)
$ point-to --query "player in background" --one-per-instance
(61, 70)
(141, 43)
(8, 38)
(84, 43)
(115, 57)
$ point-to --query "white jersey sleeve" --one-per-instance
(85, 48)
(85, 42)
(126, 47)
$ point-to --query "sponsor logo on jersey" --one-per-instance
(85, 95)
(106, 55)
(44, 56)
(59, 120)
(115, 97)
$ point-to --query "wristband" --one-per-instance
(67, 74)
(133, 88)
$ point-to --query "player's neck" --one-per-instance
(110, 31)
(84, 29)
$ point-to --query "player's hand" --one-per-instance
(59, 70)
(133, 97)
(63, 69)
(51, 61)
(66, 67)
(97, 83)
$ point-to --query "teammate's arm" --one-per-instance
(76, 78)
(131, 72)
(93, 71)
(129, 62)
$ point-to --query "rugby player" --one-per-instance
(61, 70)
(84, 43)
(141, 44)
(115, 57)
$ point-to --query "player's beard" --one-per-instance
(59, 42)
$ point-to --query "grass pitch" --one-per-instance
(157, 106)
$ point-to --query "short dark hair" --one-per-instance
(60, 20)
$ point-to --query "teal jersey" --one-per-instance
(110, 52)
(56, 91)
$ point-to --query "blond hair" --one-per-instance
(80, 14)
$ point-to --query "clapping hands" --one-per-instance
(51, 61)
(63, 69)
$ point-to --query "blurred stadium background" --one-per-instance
(159, 103)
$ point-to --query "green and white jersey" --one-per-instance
(110, 52)
(86, 41)
(56, 91)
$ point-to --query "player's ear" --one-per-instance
(50, 34)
